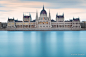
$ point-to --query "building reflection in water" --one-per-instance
(42, 43)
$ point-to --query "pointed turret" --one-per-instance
(8, 17)
(56, 15)
(36, 15)
(63, 14)
(49, 15)
(13, 17)
(23, 14)
(30, 16)
(43, 11)
(43, 7)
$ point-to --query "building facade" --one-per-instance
(43, 22)
(83, 24)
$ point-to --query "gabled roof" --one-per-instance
(26, 16)
(68, 20)
(76, 19)
(59, 16)
(18, 21)
(10, 20)
(53, 20)
(33, 21)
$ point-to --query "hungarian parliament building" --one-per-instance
(43, 22)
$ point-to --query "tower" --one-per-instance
(43, 7)
(60, 18)
(36, 15)
(43, 13)
(36, 23)
(49, 15)
(26, 18)
(56, 17)
(30, 17)
(49, 20)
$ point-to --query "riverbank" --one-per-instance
(4, 29)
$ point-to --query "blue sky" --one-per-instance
(16, 8)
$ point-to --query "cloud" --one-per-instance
(23, 4)
(14, 8)
(47, 3)
(64, 3)
(69, 13)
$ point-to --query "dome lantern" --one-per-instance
(43, 11)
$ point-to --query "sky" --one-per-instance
(16, 8)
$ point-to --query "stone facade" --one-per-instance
(44, 23)
(3, 25)
(83, 24)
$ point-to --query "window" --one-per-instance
(46, 26)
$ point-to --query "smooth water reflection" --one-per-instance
(42, 43)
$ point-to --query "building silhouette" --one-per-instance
(43, 22)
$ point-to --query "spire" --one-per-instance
(36, 15)
(57, 14)
(73, 17)
(43, 7)
(23, 14)
(13, 17)
(29, 14)
(63, 14)
(49, 15)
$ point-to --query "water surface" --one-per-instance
(42, 43)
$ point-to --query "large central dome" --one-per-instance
(43, 11)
